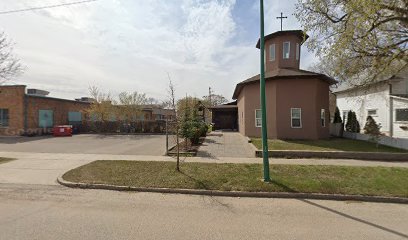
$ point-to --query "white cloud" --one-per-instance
(125, 45)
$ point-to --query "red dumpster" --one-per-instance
(63, 130)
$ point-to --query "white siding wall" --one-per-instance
(398, 131)
(362, 100)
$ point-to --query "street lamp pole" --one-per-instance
(263, 100)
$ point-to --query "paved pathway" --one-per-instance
(44, 168)
(226, 144)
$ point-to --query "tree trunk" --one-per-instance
(178, 149)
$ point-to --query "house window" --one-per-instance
(272, 52)
(297, 51)
(4, 117)
(286, 50)
(296, 117)
(323, 117)
(401, 115)
(258, 118)
(372, 112)
(265, 58)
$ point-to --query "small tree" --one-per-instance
(356, 124)
(349, 121)
(337, 117)
(192, 125)
(373, 129)
(352, 124)
(171, 103)
(131, 105)
(102, 108)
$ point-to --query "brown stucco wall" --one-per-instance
(59, 107)
(279, 61)
(252, 102)
(12, 98)
(283, 94)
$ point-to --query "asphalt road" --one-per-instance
(55, 212)
(88, 143)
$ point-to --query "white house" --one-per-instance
(386, 101)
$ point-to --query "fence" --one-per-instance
(337, 129)
(158, 127)
(384, 140)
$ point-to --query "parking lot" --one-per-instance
(88, 143)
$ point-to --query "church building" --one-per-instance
(297, 101)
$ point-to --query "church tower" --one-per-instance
(282, 49)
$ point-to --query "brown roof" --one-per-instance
(229, 105)
(281, 73)
(300, 34)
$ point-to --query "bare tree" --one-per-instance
(10, 66)
(102, 108)
(171, 103)
(131, 105)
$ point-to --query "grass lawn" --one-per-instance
(380, 181)
(333, 144)
(4, 160)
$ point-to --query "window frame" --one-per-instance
(372, 115)
(283, 50)
(260, 118)
(323, 117)
(400, 121)
(6, 119)
(297, 51)
(272, 46)
(300, 117)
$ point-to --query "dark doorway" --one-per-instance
(225, 117)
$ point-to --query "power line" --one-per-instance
(44, 7)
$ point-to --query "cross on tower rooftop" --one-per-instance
(281, 19)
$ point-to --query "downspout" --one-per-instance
(391, 124)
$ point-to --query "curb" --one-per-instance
(316, 196)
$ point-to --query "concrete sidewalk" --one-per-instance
(44, 168)
(226, 144)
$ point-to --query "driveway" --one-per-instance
(226, 144)
(88, 143)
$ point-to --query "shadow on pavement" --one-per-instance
(341, 213)
(15, 140)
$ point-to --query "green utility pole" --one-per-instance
(263, 101)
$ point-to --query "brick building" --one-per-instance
(33, 112)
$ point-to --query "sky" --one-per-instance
(135, 45)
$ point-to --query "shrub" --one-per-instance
(352, 124)
(373, 129)
(337, 117)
